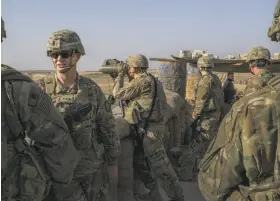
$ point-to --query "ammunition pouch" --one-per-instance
(132, 113)
(267, 192)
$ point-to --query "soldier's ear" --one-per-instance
(76, 57)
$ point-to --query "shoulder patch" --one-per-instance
(44, 102)
(107, 106)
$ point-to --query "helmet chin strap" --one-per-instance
(63, 70)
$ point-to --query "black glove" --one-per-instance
(123, 69)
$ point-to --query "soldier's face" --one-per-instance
(65, 60)
(132, 72)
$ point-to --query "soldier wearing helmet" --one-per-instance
(209, 101)
(36, 149)
(274, 29)
(144, 103)
(243, 161)
(259, 60)
(92, 130)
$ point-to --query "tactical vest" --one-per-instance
(269, 187)
(215, 100)
(138, 109)
(23, 169)
(86, 136)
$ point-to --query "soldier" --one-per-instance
(243, 161)
(229, 93)
(36, 148)
(144, 111)
(209, 101)
(93, 131)
(274, 29)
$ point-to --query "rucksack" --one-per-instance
(264, 191)
(24, 174)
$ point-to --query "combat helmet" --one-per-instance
(65, 40)
(205, 62)
(3, 31)
(137, 61)
(274, 29)
(259, 56)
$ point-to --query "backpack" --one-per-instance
(268, 191)
(24, 174)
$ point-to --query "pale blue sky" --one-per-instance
(118, 28)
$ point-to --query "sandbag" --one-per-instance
(192, 83)
(173, 74)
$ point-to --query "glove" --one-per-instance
(123, 69)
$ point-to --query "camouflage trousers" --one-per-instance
(80, 189)
(207, 129)
(125, 170)
(152, 164)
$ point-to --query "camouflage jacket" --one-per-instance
(27, 112)
(209, 95)
(258, 81)
(174, 118)
(95, 131)
(245, 155)
(139, 95)
(274, 29)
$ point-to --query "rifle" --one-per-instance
(194, 130)
(122, 104)
(76, 112)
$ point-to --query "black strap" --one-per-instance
(146, 121)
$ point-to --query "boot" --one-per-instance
(153, 195)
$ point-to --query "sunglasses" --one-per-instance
(64, 55)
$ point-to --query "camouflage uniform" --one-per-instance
(36, 148)
(274, 29)
(125, 186)
(139, 94)
(209, 101)
(93, 134)
(243, 161)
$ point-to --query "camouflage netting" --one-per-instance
(173, 76)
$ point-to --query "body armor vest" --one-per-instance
(85, 134)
